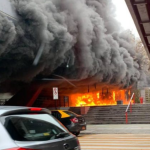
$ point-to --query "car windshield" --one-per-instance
(40, 127)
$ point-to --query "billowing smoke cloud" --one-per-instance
(82, 34)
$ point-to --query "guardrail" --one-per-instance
(129, 105)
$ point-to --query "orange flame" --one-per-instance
(114, 95)
(98, 98)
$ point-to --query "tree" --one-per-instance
(140, 49)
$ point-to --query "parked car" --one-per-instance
(23, 128)
(73, 122)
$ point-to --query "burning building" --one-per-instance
(101, 98)
(76, 39)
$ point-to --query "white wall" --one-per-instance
(6, 7)
(143, 95)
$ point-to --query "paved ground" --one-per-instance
(118, 129)
(116, 137)
(115, 142)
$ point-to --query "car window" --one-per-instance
(32, 127)
(70, 113)
(56, 114)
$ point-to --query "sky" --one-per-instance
(124, 16)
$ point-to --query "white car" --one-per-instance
(23, 128)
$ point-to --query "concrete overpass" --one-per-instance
(140, 12)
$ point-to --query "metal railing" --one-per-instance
(129, 105)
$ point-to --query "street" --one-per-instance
(115, 141)
(116, 137)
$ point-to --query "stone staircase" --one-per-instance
(116, 114)
(140, 114)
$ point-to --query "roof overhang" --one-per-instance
(140, 12)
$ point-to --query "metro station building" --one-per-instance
(74, 93)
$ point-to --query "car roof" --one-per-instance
(5, 109)
(64, 114)
(60, 110)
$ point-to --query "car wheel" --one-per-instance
(76, 133)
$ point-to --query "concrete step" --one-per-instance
(116, 114)
(146, 122)
(110, 114)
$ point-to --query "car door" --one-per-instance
(38, 132)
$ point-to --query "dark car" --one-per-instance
(23, 128)
(73, 122)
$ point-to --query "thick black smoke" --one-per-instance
(80, 34)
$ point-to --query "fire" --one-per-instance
(98, 95)
(114, 95)
(99, 98)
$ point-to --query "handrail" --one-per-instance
(129, 105)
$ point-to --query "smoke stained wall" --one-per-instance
(82, 34)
